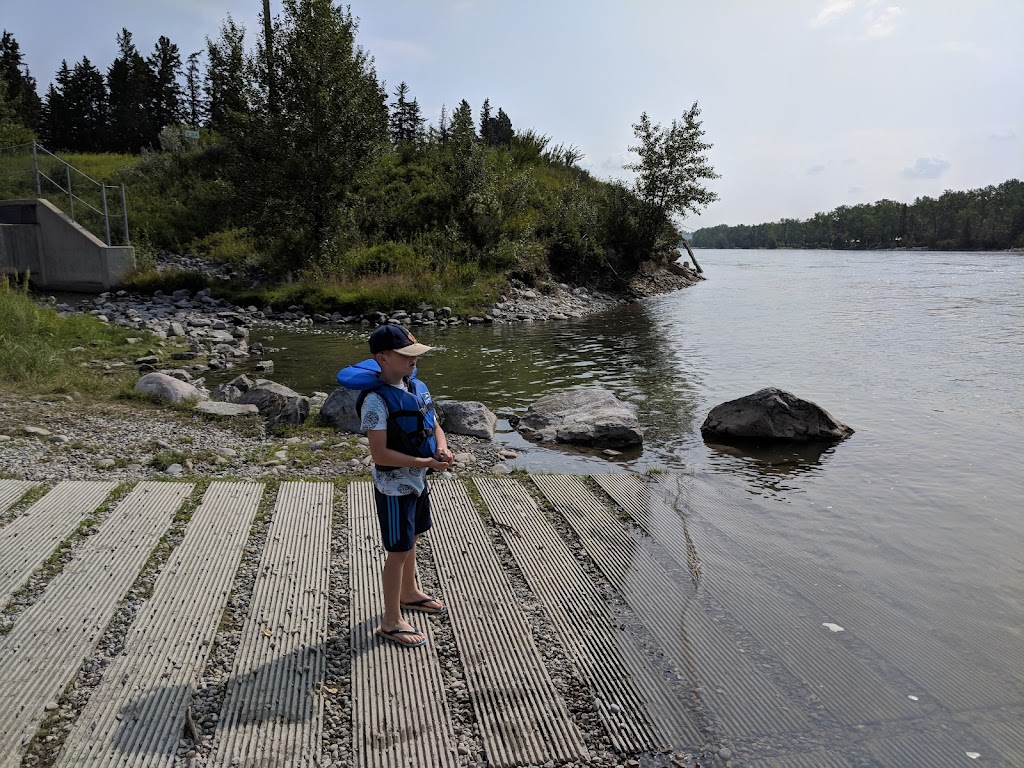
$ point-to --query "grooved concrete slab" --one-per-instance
(273, 711)
(400, 716)
(46, 646)
(523, 719)
(736, 691)
(646, 716)
(954, 679)
(820, 759)
(137, 714)
(11, 491)
(792, 632)
(32, 536)
(934, 749)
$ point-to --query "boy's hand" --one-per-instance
(437, 465)
(445, 455)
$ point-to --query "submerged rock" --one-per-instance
(773, 414)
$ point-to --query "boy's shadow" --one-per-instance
(284, 691)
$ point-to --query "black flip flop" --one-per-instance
(422, 607)
(395, 637)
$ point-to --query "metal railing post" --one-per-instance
(124, 210)
(106, 214)
(71, 195)
(35, 163)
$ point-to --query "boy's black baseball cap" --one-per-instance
(397, 338)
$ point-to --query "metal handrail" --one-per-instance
(72, 197)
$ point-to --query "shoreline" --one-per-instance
(130, 440)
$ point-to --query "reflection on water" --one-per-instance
(508, 367)
(769, 467)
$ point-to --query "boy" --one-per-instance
(405, 441)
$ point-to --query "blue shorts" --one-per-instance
(402, 519)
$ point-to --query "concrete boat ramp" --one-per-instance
(646, 617)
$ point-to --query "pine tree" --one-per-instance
(130, 88)
(485, 122)
(501, 130)
(227, 86)
(85, 102)
(405, 120)
(166, 94)
(57, 123)
(21, 96)
(195, 107)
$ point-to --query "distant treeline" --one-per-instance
(990, 218)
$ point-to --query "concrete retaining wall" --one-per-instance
(61, 255)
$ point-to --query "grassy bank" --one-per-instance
(359, 296)
(42, 353)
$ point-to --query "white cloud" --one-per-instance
(961, 48)
(926, 168)
(883, 24)
(832, 10)
(1005, 134)
(815, 169)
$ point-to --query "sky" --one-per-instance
(809, 104)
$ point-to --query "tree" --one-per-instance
(300, 160)
(670, 171)
(22, 99)
(495, 131)
(85, 102)
(485, 122)
(406, 121)
(227, 86)
(195, 107)
(57, 123)
(130, 88)
(166, 94)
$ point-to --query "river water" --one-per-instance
(922, 509)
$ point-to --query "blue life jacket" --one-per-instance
(411, 418)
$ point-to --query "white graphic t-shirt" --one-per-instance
(400, 481)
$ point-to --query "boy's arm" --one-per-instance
(386, 457)
(444, 453)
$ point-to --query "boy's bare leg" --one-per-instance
(411, 592)
(393, 578)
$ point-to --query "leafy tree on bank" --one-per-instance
(671, 169)
(297, 163)
(979, 219)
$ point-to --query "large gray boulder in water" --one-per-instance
(467, 418)
(585, 416)
(169, 388)
(276, 402)
(773, 414)
(339, 410)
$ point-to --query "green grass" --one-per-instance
(43, 353)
